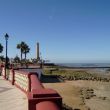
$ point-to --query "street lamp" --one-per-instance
(6, 60)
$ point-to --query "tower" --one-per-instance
(38, 58)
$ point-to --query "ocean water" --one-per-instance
(85, 64)
(104, 66)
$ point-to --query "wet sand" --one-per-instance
(84, 95)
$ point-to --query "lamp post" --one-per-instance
(6, 61)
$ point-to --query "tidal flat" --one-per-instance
(88, 91)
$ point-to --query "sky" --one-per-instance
(69, 31)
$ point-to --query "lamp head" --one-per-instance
(6, 36)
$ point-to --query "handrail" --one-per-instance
(35, 83)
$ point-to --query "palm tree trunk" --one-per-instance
(25, 60)
(21, 58)
(21, 55)
(25, 56)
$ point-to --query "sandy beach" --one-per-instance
(84, 95)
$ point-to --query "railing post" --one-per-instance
(13, 76)
(3, 73)
(29, 83)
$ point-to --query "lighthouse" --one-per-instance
(38, 57)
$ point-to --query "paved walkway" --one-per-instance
(11, 98)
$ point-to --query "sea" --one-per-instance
(84, 64)
(100, 67)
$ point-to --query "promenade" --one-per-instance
(11, 98)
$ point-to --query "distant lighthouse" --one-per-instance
(38, 58)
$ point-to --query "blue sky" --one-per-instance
(68, 30)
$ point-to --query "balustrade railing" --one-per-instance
(39, 98)
(21, 80)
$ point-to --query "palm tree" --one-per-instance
(1, 48)
(26, 50)
(21, 47)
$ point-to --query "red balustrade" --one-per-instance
(39, 98)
